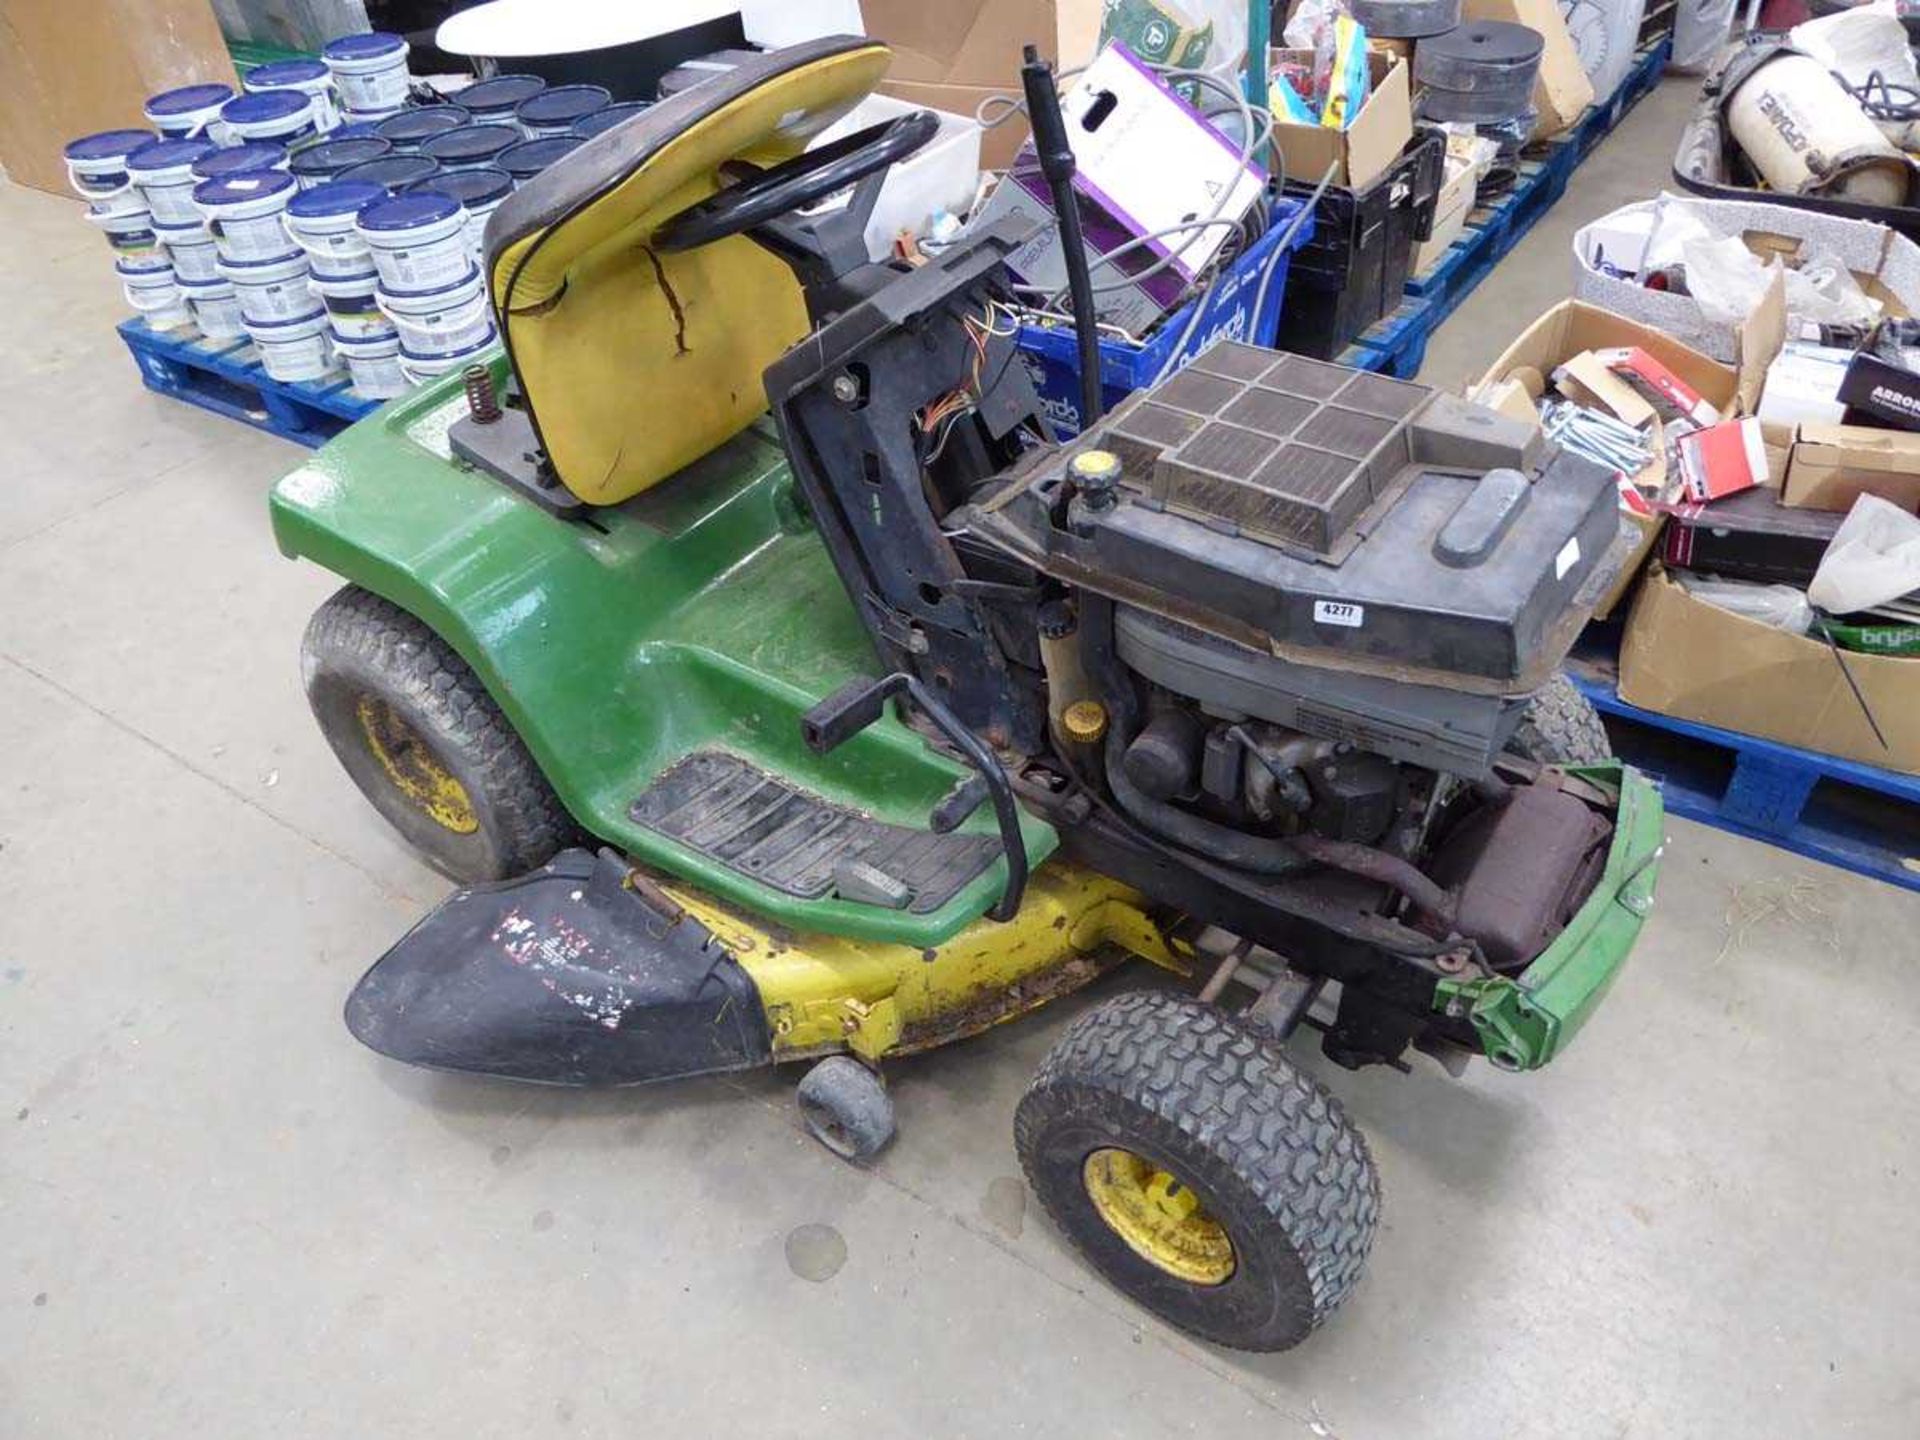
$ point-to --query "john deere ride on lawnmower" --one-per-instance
(895, 718)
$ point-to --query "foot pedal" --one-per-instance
(772, 832)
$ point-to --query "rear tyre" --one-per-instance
(425, 743)
(846, 1108)
(1561, 727)
(1198, 1171)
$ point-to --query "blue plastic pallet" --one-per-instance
(224, 376)
(1397, 344)
(1856, 816)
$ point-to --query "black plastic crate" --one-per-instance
(1354, 269)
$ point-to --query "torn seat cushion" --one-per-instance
(636, 363)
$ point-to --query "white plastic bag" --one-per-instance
(1725, 278)
(1781, 606)
(1873, 557)
(1699, 30)
(1312, 19)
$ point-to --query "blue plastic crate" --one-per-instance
(1226, 314)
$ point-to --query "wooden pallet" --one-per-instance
(225, 376)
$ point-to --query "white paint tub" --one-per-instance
(369, 72)
(284, 116)
(479, 193)
(296, 349)
(442, 322)
(238, 159)
(352, 308)
(418, 242)
(190, 112)
(494, 100)
(191, 250)
(163, 174)
(271, 292)
(97, 164)
(421, 368)
(555, 111)
(136, 246)
(244, 213)
(215, 306)
(156, 297)
(321, 222)
(310, 77)
(374, 365)
(122, 202)
(318, 163)
(410, 129)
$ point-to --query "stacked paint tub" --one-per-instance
(324, 222)
(98, 169)
(369, 76)
(253, 252)
(428, 285)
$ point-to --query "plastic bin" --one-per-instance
(1226, 313)
(1355, 270)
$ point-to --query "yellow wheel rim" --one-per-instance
(1160, 1218)
(416, 772)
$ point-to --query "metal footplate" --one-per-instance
(772, 832)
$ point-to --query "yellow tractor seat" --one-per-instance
(636, 361)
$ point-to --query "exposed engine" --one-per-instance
(1313, 606)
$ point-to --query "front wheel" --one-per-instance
(425, 742)
(1561, 727)
(1200, 1172)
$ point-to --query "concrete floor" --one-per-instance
(224, 1218)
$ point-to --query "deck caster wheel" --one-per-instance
(846, 1107)
(1197, 1170)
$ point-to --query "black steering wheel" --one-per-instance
(797, 183)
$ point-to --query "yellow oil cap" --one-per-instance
(1095, 465)
(1085, 721)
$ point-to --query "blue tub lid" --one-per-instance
(471, 142)
(422, 122)
(355, 130)
(267, 105)
(286, 72)
(392, 172)
(165, 154)
(370, 46)
(241, 186)
(336, 197)
(405, 212)
(502, 92)
(563, 104)
(108, 144)
(306, 319)
(588, 126)
(254, 155)
(331, 155)
(188, 98)
(486, 344)
(530, 157)
(479, 186)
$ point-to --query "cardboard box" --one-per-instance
(70, 70)
(954, 54)
(1831, 466)
(1886, 263)
(1450, 211)
(1567, 330)
(1684, 657)
(1562, 91)
(1749, 536)
(1362, 152)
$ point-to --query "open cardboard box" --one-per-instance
(1567, 330)
(1831, 466)
(1362, 152)
(954, 54)
(1684, 657)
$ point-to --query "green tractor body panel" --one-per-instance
(704, 613)
(1525, 1020)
